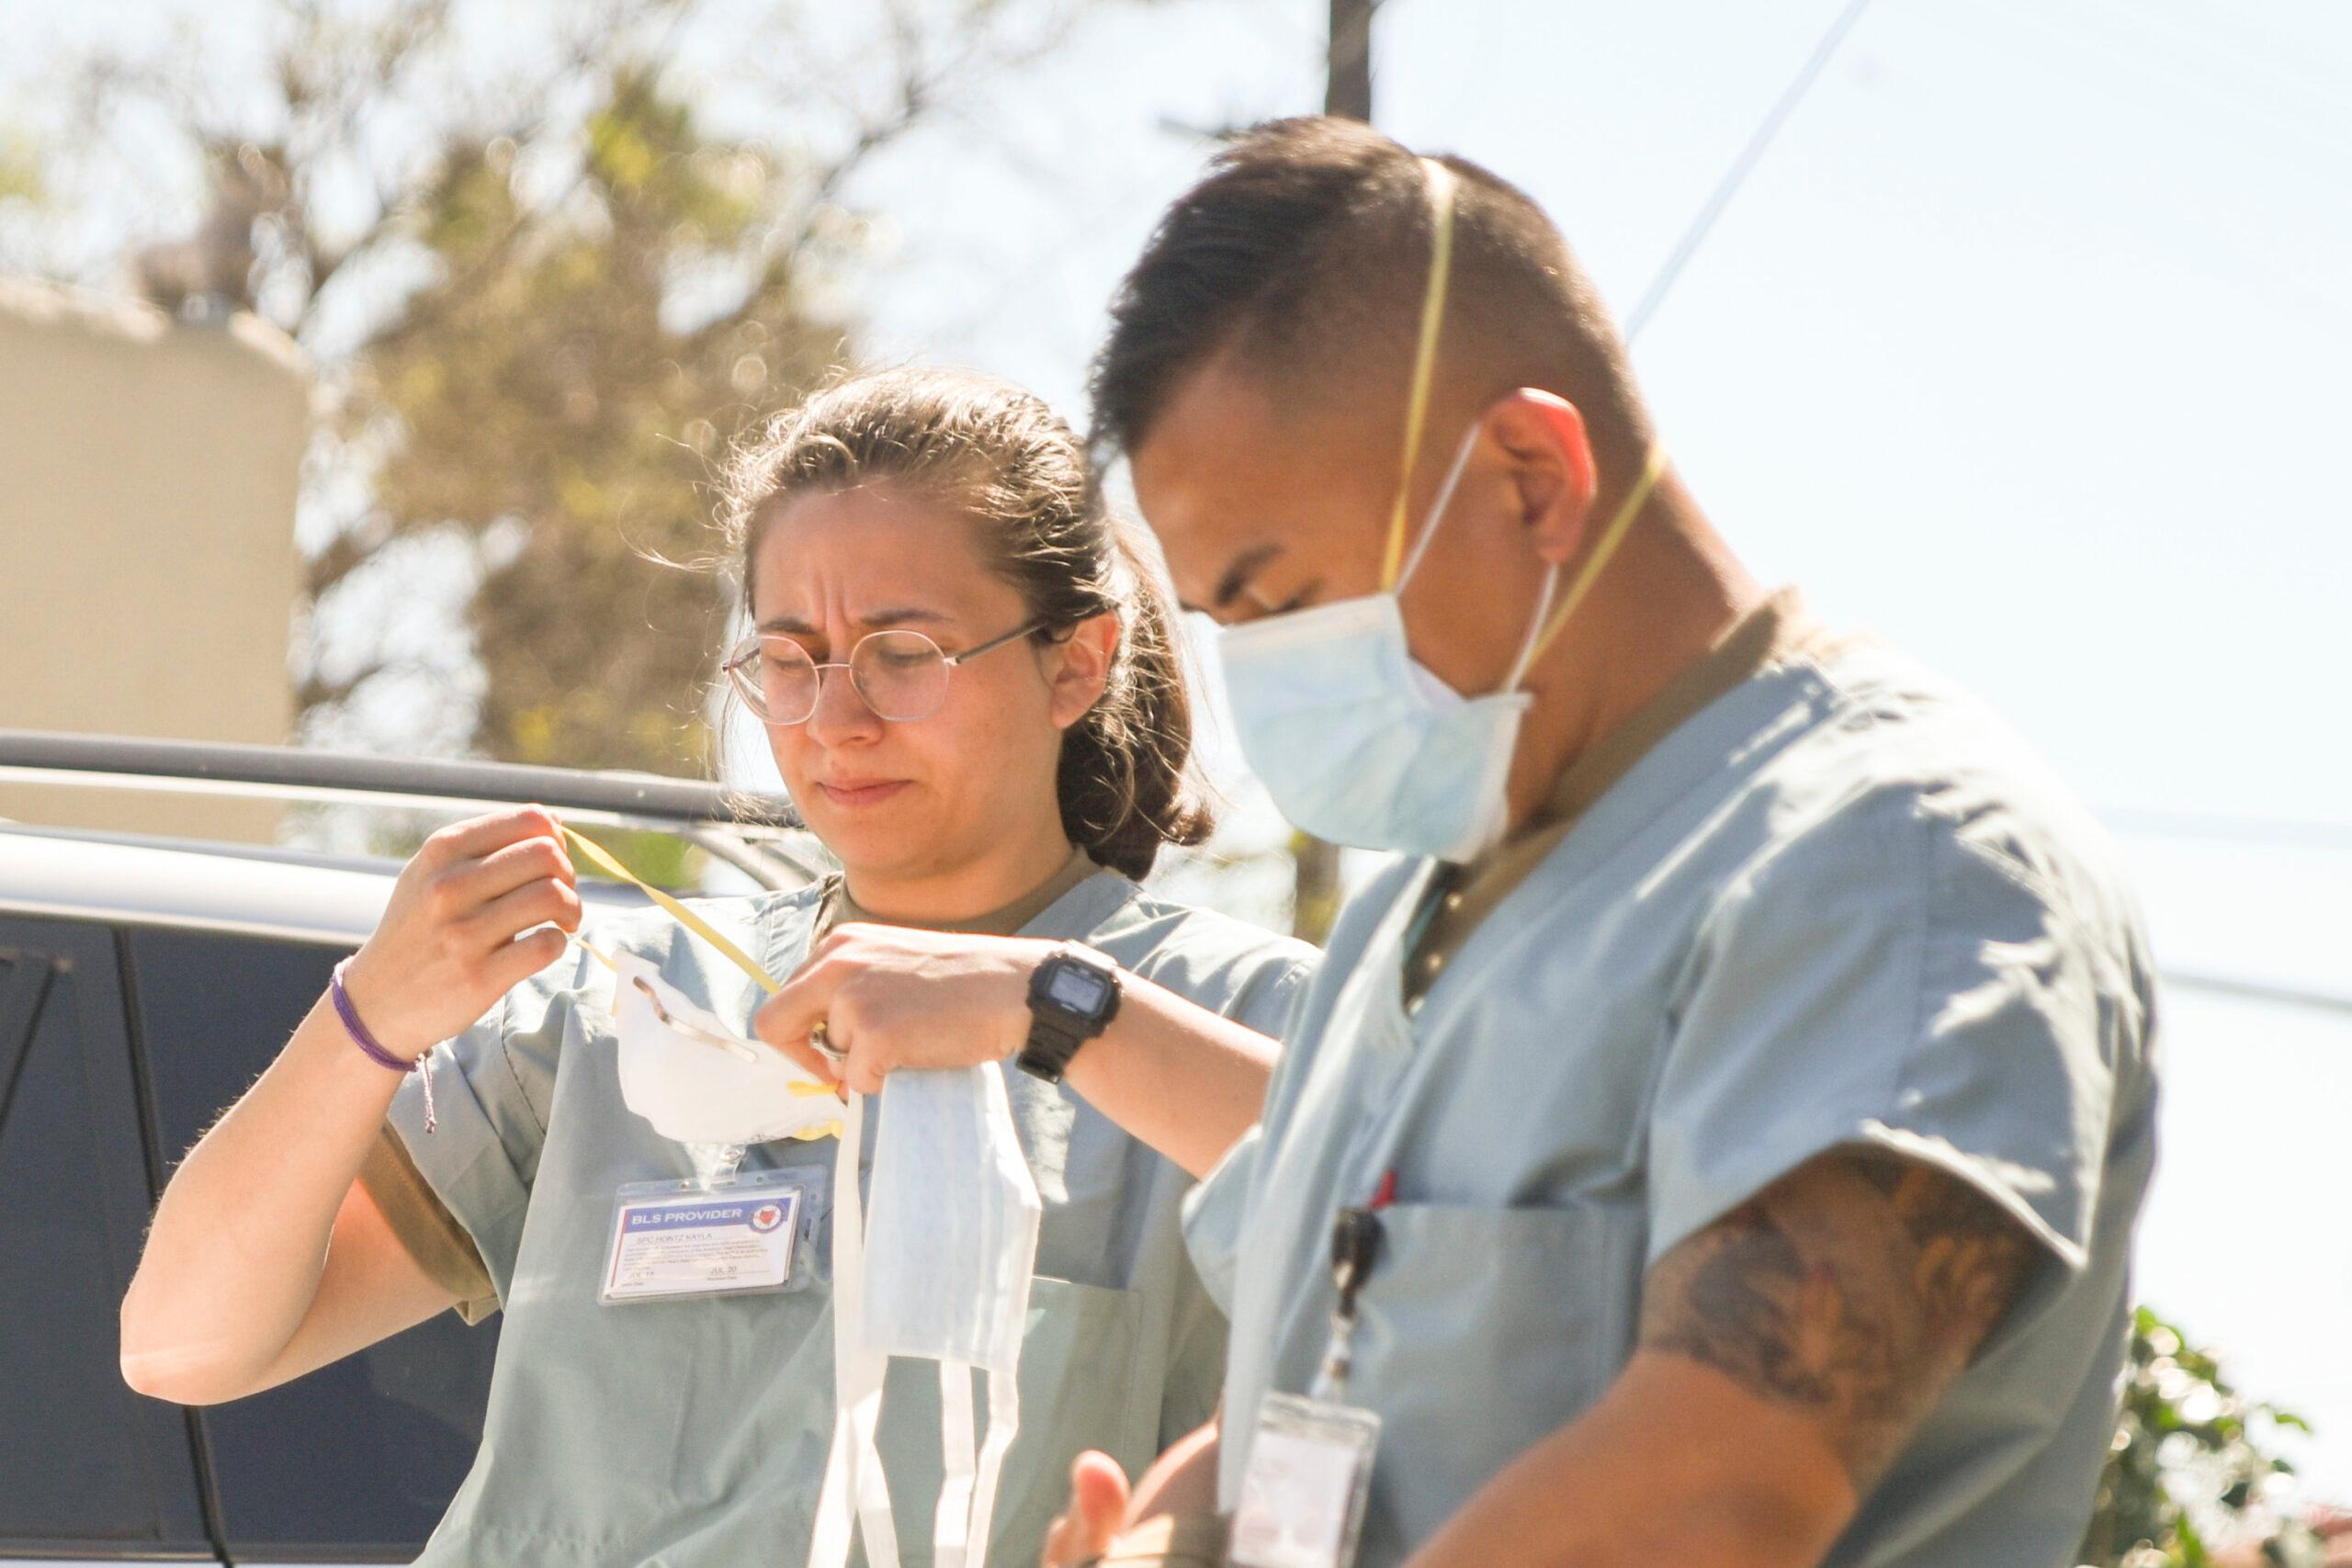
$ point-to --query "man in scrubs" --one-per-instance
(1731, 1111)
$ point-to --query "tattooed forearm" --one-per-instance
(1854, 1289)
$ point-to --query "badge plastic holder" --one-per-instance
(752, 1234)
(1304, 1489)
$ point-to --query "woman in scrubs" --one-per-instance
(969, 682)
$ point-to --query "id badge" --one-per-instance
(676, 1239)
(1304, 1489)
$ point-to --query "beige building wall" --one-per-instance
(148, 572)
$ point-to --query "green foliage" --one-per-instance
(2192, 1471)
(661, 859)
(20, 168)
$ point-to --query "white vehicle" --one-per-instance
(144, 983)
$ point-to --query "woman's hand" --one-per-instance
(448, 947)
(892, 996)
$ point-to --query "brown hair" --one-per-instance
(1304, 252)
(998, 455)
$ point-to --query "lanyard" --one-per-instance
(1357, 1230)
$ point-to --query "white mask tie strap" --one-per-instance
(951, 1534)
(1534, 631)
(854, 1480)
(1437, 507)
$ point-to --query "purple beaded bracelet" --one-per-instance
(373, 1050)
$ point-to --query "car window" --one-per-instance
(85, 1465)
(359, 1458)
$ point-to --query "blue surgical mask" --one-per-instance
(1356, 741)
(1359, 743)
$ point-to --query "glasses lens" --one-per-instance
(776, 677)
(901, 675)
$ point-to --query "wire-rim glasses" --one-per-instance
(900, 674)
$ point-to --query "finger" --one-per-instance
(862, 1071)
(478, 836)
(801, 1054)
(1065, 1539)
(784, 1019)
(1097, 1505)
(544, 902)
(468, 884)
(510, 965)
(1060, 1551)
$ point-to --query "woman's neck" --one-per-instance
(967, 891)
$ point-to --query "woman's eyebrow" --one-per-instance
(793, 626)
(900, 618)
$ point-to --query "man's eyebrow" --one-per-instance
(1237, 577)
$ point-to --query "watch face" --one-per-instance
(1078, 990)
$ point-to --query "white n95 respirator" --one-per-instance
(699, 1082)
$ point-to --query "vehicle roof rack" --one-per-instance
(755, 832)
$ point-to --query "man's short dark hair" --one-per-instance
(1304, 253)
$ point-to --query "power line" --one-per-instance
(1741, 167)
(2247, 989)
(2224, 828)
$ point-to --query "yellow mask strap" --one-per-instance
(1611, 537)
(1416, 407)
(602, 860)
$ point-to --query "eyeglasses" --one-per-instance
(901, 675)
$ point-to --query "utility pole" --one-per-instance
(1348, 87)
(1347, 90)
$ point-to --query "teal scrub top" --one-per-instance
(696, 1432)
(1839, 905)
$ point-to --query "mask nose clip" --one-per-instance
(694, 1031)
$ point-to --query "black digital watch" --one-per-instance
(1073, 996)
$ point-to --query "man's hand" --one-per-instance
(891, 997)
(1178, 1493)
(1098, 1508)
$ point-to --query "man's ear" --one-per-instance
(1078, 667)
(1552, 464)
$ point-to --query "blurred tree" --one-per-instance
(19, 168)
(543, 295)
(2192, 1469)
(543, 387)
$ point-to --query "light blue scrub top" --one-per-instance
(1839, 905)
(696, 1432)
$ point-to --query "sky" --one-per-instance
(2022, 347)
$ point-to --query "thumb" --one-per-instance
(1097, 1505)
(786, 1019)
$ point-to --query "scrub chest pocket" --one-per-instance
(1490, 1309)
